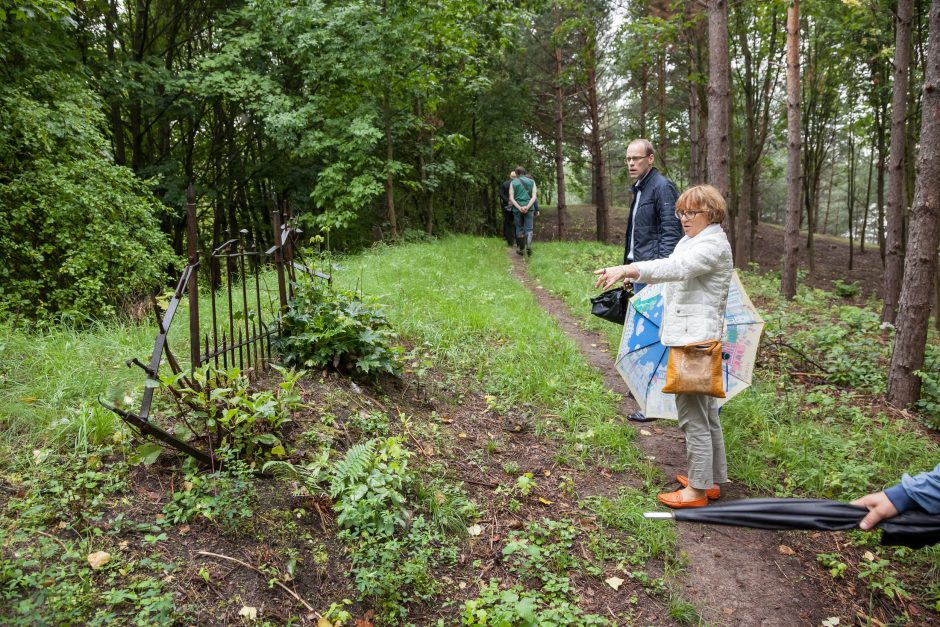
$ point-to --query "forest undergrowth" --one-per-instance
(485, 477)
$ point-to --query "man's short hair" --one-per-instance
(647, 146)
(704, 198)
(520, 171)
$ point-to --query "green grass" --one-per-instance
(458, 296)
(50, 377)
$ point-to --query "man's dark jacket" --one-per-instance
(504, 193)
(654, 220)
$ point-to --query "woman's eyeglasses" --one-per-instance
(687, 214)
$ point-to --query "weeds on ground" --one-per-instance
(398, 525)
(81, 576)
(541, 556)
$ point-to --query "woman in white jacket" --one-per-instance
(699, 276)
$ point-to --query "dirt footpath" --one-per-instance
(736, 576)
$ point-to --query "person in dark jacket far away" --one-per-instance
(653, 230)
(918, 492)
(509, 228)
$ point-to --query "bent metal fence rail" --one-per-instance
(234, 338)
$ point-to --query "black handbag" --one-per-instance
(612, 304)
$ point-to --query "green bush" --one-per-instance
(339, 329)
(218, 408)
(78, 234)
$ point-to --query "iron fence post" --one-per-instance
(279, 258)
(193, 249)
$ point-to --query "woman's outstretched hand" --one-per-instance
(614, 274)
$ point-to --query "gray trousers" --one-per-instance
(704, 441)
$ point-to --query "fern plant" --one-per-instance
(368, 486)
(311, 476)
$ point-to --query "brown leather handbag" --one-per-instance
(695, 369)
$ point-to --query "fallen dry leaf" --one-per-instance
(544, 501)
(251, 613)
(785, 550)
(614, 582)
(322, 622)
(462, 435)
(98, 559)
(645, 432)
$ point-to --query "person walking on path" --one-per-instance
(508, 226)
(698, 273)
(522, 197)
(652, 227)
(921, 491)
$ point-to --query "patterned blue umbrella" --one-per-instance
(641, 360)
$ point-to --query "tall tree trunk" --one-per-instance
(559, 134)
(791, 246)
(698, 94)
(850, 192)
(871, 166)
(832, 174)
(719, 96)
(117, 124)
(894, 231)
(597, 147)
(880, 183)
(137, 131)
(661, 112)
(920, 265)
(644, 98)
(389, 157)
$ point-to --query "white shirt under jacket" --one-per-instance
(699, 275)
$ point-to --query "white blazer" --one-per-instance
(699, 275)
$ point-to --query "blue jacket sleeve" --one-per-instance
(922, 489)
(669, 225)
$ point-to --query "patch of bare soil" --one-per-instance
(831, 255)
(736, 576)
(223, 571)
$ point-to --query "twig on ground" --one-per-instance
(49, 535)
(275, 581)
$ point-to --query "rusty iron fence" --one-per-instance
(240, 339)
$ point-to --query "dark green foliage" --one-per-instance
(218, 409)
(336, 328)
(224, 497)
(78, 234)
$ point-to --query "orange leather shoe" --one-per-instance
(713, 492)
(675, 501)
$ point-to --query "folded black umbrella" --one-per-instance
(914, 528)
(612, 304)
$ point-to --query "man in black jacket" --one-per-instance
(509, 229)
(653, 230)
